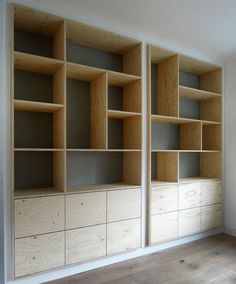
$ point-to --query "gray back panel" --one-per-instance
(93, 168)
(33, 130)
(115, 98)
(78, 114)
(33, 43)
(93, 57)
(154, 95)
(189, 109)
(165, 136)
(33, 169)
(115, 133)
(189, 80)
(32, 86)
(154, 166)
(189, 165)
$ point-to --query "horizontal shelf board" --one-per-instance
(179, 120)
(103, 150)
(121, 79)
(82, 72)
(158, 182)
(196, 94)
(121, 114)
(36, 106)
(186, 151)
(37, 150)
(192, 179)
(35, 192)
(100, 187)
(35, 63)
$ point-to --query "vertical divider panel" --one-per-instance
(98, 112)
(132, 99)
(132, 167)
(59, 42)
(132, 132)
(191, 136)
(168, 166)
(132, 61)
(59, 170)
(211, 81)
(168, 87)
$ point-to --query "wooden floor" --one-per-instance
(211, 260)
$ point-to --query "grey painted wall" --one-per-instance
(115, 98)
(189, 165)
(165, 136)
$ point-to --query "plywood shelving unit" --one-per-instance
(76, 112)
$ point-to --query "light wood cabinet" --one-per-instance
(85, 209)
(123, 204)
(189, 221)
(211, 192)
(164, 227)
(211, 217)
(39, 215)
(164, 199)
(39, 253)
(85, 244)
(189, 195)
(123, 236)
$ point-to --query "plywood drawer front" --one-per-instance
(85, 209)
(189, 195)
(211, 192)
(123, 236)
(39, 253)
(189, 221)
(85, 243)
(211, 217)
(164, 199)
(123, 204)
(39, 215)
(164, 227)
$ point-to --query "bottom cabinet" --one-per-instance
(39, 253)
(189, 221)
(211, 217)
(85, 244)
(164, 227)
(123, 236)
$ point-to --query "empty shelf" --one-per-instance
(36, 106)
(121, 114)
(196, 94)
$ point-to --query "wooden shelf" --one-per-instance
(185, 151)
(36, 192)
(159, 182)
(196, 94)
(121, 79)
(122, 114)
(35, 63)
(37, 150)
(195, 179)
(36, 106)
(103, 150)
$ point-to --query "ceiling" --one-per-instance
(206, 28)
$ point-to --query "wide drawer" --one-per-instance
(189, 221)
(189, 195)
(211, 192)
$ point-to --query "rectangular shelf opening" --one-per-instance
(189, 165)
(211, 137)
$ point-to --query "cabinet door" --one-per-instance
(39, 253)
(164, 199)
(123, 236)
(85, 243)
(123, 204)
(164, 227)
(39, 215)
(211, 192)
(189, 195)
(211, 217)
(189, 221)
(85, 209)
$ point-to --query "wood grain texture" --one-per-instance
(189, 221)
(39, 253)
(132, 168)
(210, 165)
(211, 217)
(167, 166)
(59, 42)
(212, 81)
(190, 136)
(59, 170)
(190, 195)
(85, 209)
(211, 137)
(195, 94)
(85, 244)
(36, 106)
(159, 54)
(41, 215)
(211, 110)
(132, 133)
(123, 236)
(211, 192)
(132, 97)
(132, 61)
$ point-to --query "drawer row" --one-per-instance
(42, 215)
(173, 225)
(185, 195)
(43, 252)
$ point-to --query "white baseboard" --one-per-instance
(229, 231)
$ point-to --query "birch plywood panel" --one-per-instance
(189, 195)
(189, 221)
(212, 81)
(211, 217)
(167, 165)
(211, 192)
(132, 61)
(190, 136)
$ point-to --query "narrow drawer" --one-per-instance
(39, 253)
(164, 199)
(85, 243)
(211, 192)
(211, 217)
(123, 204)
(123, 236)
(189, 221)
(39, 215)
(189, 195)
(85, 209)
(164, 227)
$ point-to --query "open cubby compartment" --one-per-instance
(164, 166)
(211, 137)
(92, 169)
(127, 98)
(124, 133)
(39, 172)
(102, 49)
(163, 82)
(173, 136)
(39, 33)
(86, 110)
